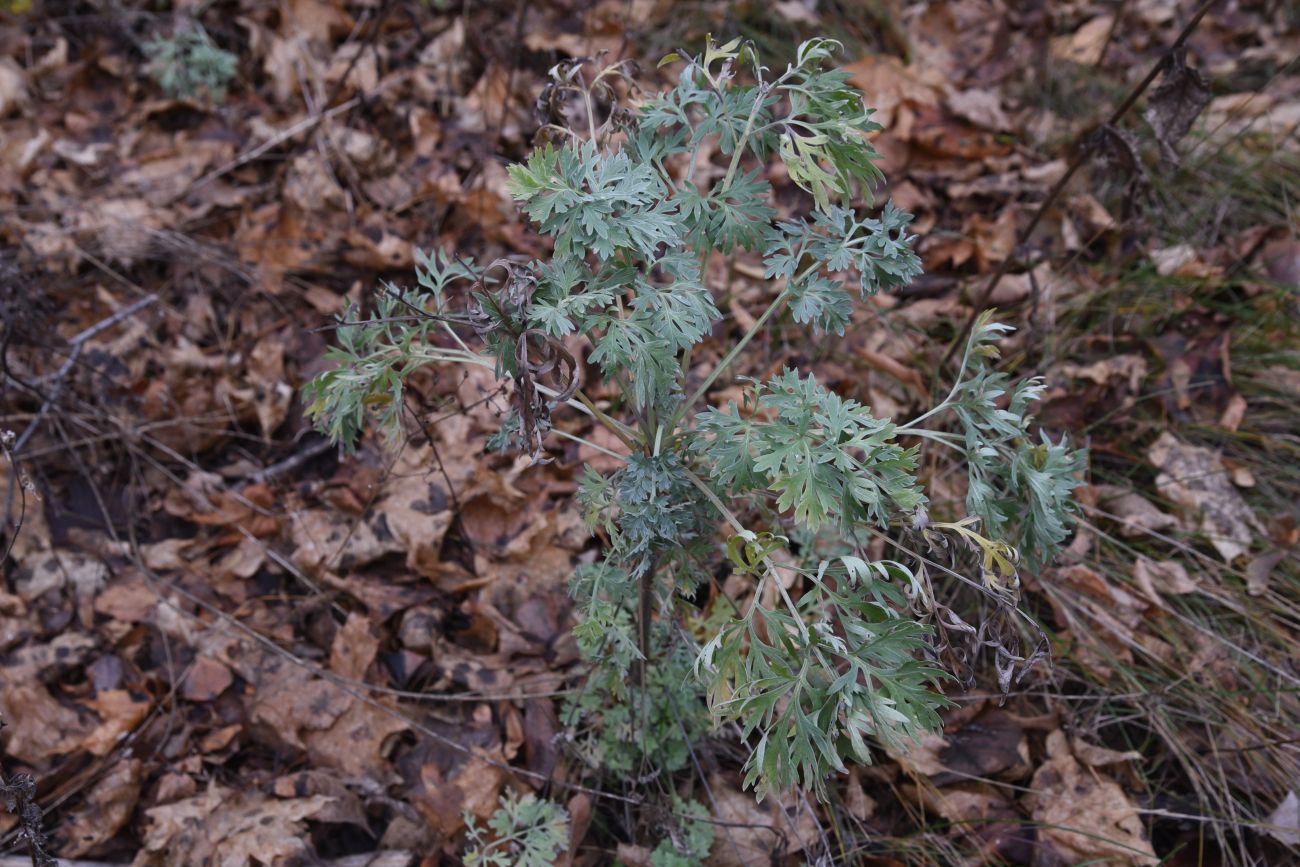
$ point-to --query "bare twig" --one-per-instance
(290, 463)
(307, 124)
(19, 797)
(77, 343)
(1081, 154)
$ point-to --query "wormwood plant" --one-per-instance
(187, 64)
(830, 652)
(523, 832)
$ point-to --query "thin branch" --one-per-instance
(77, 342)
(1081, 154)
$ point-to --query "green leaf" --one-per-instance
(822, 456)
(529, 832)
(589, 200)
(681, 312)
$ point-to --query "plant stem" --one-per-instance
(588, 443)
(744, 138)
(741, 344)
(615, 426)
(769, 569)
(591, 116)
(943, 404)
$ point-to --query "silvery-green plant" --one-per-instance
(188, 64)
(524, 832)
(830, 652)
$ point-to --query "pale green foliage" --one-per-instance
(839, 661)
(187, 64)
(813, 695)
(822, 456)
(588, 200)
(523, 832)
(689, 839)
(1018, 488)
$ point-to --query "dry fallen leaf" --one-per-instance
(228, 828)
(759, 829)
(1164, 576)
(1194, 477)
(980, 107)
(289, 707)
(1138, 516)
(1260, 570)
(1083, 815)
(979, 813)
(887, 82)
(1086, 44)
(1283, 824)
(38, 726)
(1282, 262)
(1130, 368)
(121, 712)
(205, 680)
(1096, 757)
(13, 86)
(922, 757)
(104, 811)
(1102, 617)
(992, 744)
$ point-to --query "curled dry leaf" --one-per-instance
(1164, 576)
(1175, 104)
(1137, 515)
(1083, 815)
(1194, 477)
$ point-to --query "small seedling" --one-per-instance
(523, 832)
(830, 652)
(187, 65)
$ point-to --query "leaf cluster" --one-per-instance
(689, 839)
(187, 64)
(828, 655)
(524, 832)
(822, 456)
(1020, 486)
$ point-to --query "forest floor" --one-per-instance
(222, 642)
